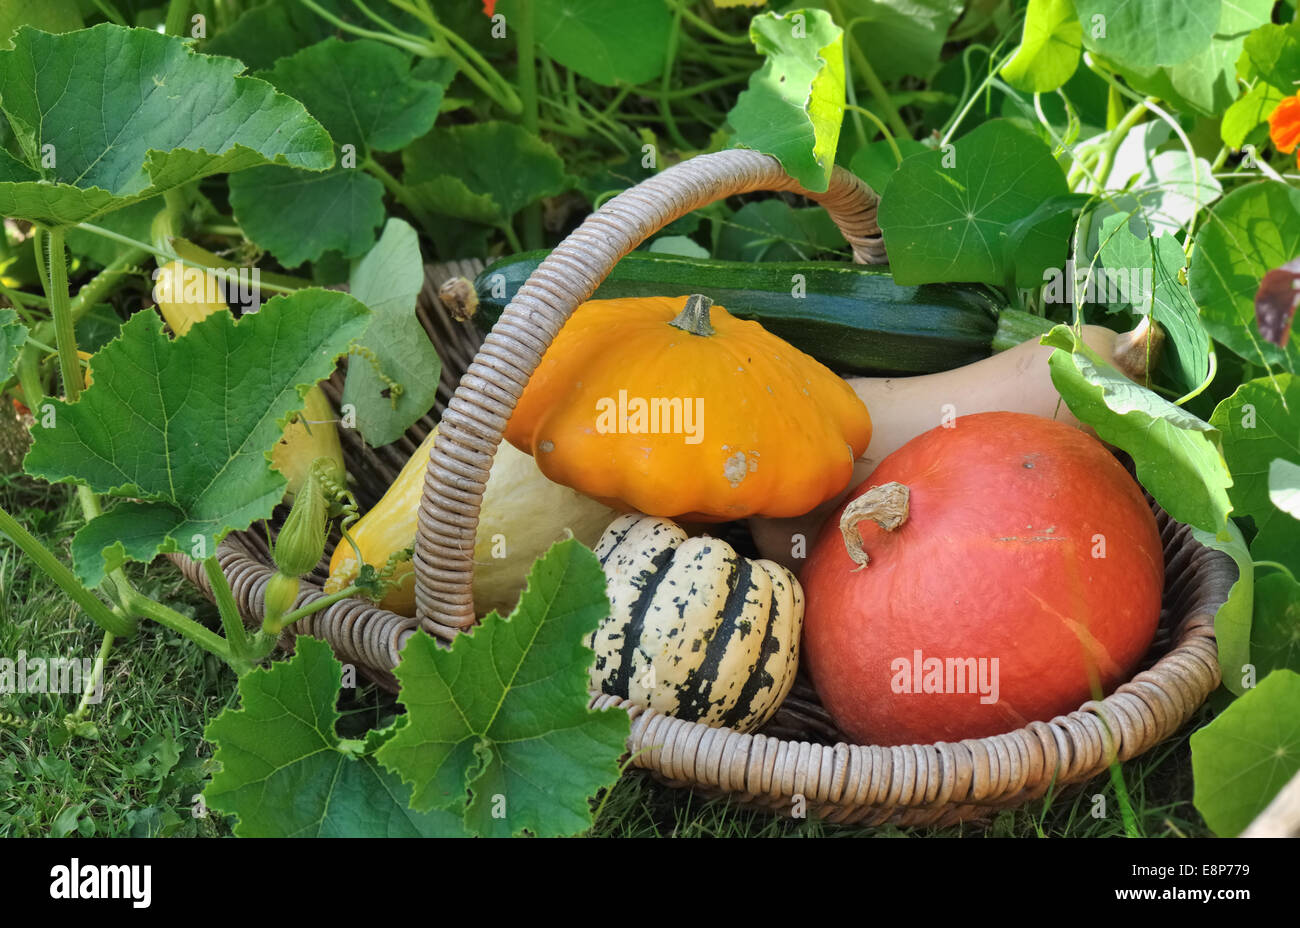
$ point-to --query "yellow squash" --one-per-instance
(523, 514)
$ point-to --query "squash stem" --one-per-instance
(694, 318)
(886, 505)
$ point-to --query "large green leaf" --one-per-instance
(265, 33)
(1208, 80)
(900, 37)
(1242, 758)
(875, 162)
(609, 43)
(1148, 33)
(502, 714)
(794, 104)
(773, 230)
(106, 116)
(484, 172)
(1284, 486)
(1049, 47)
(946, 214)
(1188, 350)
(1275, 632)
(1274, 53)
(1177, 455)
(12, 336)
(299, 215)
(1260, 424)
(1251, 231)
(45, 15)
(186, 426)
(388, 280)
(285, 773)
(1249, 111)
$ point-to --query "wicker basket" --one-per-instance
(799, 761)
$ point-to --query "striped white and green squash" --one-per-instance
(695, 630)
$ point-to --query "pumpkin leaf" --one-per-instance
(1149, 34)
(1177, 455)
(499, 721)
(1247, 754)
(945, 213)
(1049, 47)
(186, 426)
(45, 15)
(388, 280)
(608, 43)
(285, 773)
(173, 116)
(1232, 623)
(794, 104)
(1248, 233)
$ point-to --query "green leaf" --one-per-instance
(1275, 633)
(13, 334)
(1245, 756)
(388, 280)
(130, 113)
(1252, 230)
(1049, 47)
(900, 37)
(134, 221)
(45, 15)
(1248, 112)
(772, 230)
(484, 172)
(1284, 486)
(1148, 33)
(362, 92)
(503, 712)
(794, 104)
(1207, 82)
(608, 43)
(1232, 623)
(187, 425)
(1274, 54)
(1188, 351)
(678, 245)
(875, 162)
(284, 771)
(1177, 455)
(945, 212)
(300, 215)
(265, 33)
(1260, 423)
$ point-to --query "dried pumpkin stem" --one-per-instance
(1138, 352)
(695, 317)
(886, 505)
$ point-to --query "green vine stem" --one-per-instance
(231, 621)
(178, 17)
(96, 675)
(525, 45)
(106, 618)
(670, 58)
(61, 310)
(141, 605)
(401, 193)
(317, 605)
(863, 68)
(680, 8)
(1117, 136)
(889, 136)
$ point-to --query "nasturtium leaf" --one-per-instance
(12, 336)
(107, 116)
(1274, 54)
(1248, 112)
(502, 714)
(388, 280)
(875, 162)
(794, 104)
(1049, 47)
(1251, 231)
(609, 43)
(1207, 82)
(1284, 486)
(1260, 423)
(265, 33)
(1275, 632)
(1278, 540)
(773, 230)
(945, 212)
(1233, 620)
(1171, 190)
(300, 215)
(484, 172)
(1157, 262)
(187, 426)
(45, 15)
(678, 245)
(1177, 455)
(1148, 33)
(285, 773)
(362, 92)
(1247, 754)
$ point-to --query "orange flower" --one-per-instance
(1284, 125)
(489, 7)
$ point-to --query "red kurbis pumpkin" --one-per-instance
(987, 574)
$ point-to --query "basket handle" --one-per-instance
(475, 419)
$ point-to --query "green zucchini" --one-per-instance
(851, 317)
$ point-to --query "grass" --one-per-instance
(140, 772)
